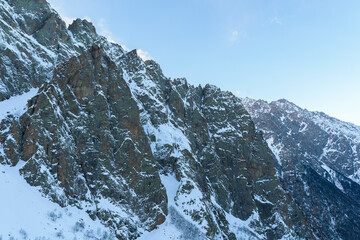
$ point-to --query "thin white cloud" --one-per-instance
(143, 54)
(103, 30)
(276, 20)
(243, 93)
(235, 35)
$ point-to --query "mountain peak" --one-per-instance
(110, 137)
(317, 148)
(80, 25)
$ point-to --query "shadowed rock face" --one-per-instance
(235, 164)
(38, 20)
(33, 40)
(214, 149)
(319, 158)
(105, 127)
(83, 142)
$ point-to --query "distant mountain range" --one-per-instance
(96, 143)
(319, 162)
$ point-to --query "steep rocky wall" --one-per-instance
(107, 132)
(83, 145)
(100, 132)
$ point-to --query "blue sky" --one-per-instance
(305, 51)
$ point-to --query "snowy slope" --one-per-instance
(178, 226)
(16, 105)
(26, 214)
(169, 229)
(314, 148)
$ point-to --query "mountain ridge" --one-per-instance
(291, 103)
(103, 129)
(312, 146)
(108, 137)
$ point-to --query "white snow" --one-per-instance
(228, 129)
(167, 134)
(106, 204)
(262, 200)
(177, 225)
(171, 185)
(26, 214)
(303, 126)
(275, 148)
(333, 176)
(306, 189)
(337, 127)
(16, 105)
(167, 230)
(242, 228)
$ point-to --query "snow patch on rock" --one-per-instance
(16, 105)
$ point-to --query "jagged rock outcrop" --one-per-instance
(319, 162)
(102, 131)
(83, 144)
(109, 134)
(33, 40)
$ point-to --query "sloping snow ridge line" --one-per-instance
(16, 105)
(26, 214)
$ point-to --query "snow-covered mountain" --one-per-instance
(96, 143)
(319, 163)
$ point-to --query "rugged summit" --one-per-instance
(109, 140)
(319, 164)
(96, 143)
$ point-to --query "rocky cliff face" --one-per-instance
(33, 40)
(102, 134)
(319, 164)
(146, 156)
